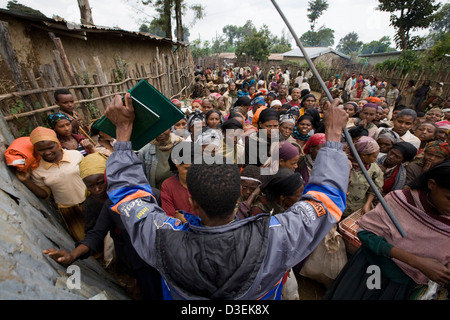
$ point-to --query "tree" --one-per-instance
(382, 45)
(15, 6)
(349, 43)
(236, 34)
(198, 50)
(323, 37)
(165, 9)
(86, 12)
(256, 45)
(408, 16)
(315, 9)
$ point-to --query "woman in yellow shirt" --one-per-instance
(58, 174)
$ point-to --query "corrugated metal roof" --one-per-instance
(83, 29)
(313, 52)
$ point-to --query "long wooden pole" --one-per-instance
(347, 135)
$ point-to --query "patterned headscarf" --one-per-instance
(442, 148)
(53, 119)
(366, 145)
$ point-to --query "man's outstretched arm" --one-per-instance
(128, 187)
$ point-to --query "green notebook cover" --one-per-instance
(154, 114)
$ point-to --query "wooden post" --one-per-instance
(70, 74)
(35, 85)
(101, 78)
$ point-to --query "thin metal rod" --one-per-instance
(346, 134)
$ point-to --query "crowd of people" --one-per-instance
(401, 136)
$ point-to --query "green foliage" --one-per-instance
(407, 62)
(440, 49)
(315, 9)
(407, 16)
(256, 45)
(382, 45)
(14, 5)
(323, 37)
(349, 44)
(442, 22)
(199, 50)
(236, 34)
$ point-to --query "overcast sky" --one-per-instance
(343, 16)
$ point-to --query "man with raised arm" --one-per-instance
(215, 255)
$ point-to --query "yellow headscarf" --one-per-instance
(43, 134)
(94, 163)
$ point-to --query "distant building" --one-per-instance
(316, 54)
(374, 58)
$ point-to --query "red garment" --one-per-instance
(174, 197)
(292, 103)
(358, 93)
(389, 182)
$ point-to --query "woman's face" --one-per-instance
(350, 110)
(441, 134)
(247, 188)
(271, 126)
(213, 121)
(309, 103)
(433, 116)
(289, 201)
(379, 114)
(304, 127)
(232, 86)
(385, 145)
(368, 114)
(286, 129)
(63, 128)
(433, 158)
(164, 137)
(403, 124)
(439, 197)
(369, 158)
(48, 150)
(182, 124)
(290, 164)
(393, 158)
(425, 132)
(220, 103)
(96, 184)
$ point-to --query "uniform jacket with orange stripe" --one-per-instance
(245, 259)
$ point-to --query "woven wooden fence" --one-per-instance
(29, 98)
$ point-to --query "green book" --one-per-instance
(154, 114)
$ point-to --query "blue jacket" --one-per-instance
(245, 259)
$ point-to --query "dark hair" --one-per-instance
(358, 132)
(61, 91)
(399, 107)
(215, 187)
(284, 183)
(210, 112)
(408, 113)
(252, 171)
(234, 115)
